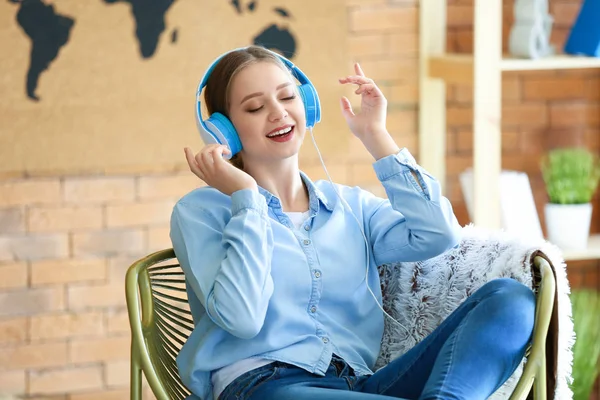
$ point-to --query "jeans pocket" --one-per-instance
(244, 385)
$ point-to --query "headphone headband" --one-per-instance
(219, 129)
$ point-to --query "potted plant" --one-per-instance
(571, 177)
(586, 350)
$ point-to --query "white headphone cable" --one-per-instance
(344, 203)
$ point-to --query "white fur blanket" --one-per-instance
(450, 278)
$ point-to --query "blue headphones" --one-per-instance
(218, 128)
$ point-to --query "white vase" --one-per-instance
(568, 225)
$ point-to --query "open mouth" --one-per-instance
(282, 135)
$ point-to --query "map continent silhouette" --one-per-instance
(49, 31)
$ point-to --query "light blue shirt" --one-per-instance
(259, 287)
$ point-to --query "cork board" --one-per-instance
(94, 95)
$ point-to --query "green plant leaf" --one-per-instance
(586, 351)
(571, 175)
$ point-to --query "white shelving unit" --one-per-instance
(483, 71)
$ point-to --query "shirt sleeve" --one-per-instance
(227, 263)
(416, 222)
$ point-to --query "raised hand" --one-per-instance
(369, 124)
(210, 166)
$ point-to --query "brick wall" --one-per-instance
(66, 241)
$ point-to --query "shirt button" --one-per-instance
(306, 242)
(317, 274)
(307, 227)
(313, 309)
(325, 340)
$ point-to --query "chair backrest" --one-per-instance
(160, 322)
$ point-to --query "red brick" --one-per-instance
(103, 349)
(459, 15)
(67, 325)
(29, 191)
(402, 122)
(170, 186)
(71, 379)
(404, 69)
(13, 331)
(574, 114)
(365, 3)
(139, 214)
(464, 140)
(524, 114)
(12, 383)
(109, 243)
(13, 275)
(38, 355)
(33, 247)
(99, 190)
(117, 373)
(558, 36)
(158, 238)
(459, 40)
(81, 297)
(458, 164)
(53, 219)
(592, 89)
(116, 394)
(367, 45)
(554, 88)
(12, 220)
(67, 271)
(510, 140)
(564, 13)
(403, 44)
(32, 301)
(118, 321)
(459, 116)
(404, 93)
(384, 19)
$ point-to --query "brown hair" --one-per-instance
(216, 93)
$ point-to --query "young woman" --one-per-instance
(285, 303)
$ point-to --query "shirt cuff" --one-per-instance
(248, 199)
(393, 164)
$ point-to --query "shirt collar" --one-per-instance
(314, 194)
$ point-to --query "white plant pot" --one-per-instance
(568, 225)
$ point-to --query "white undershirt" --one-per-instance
(224, 376)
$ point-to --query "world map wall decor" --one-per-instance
(109, 85)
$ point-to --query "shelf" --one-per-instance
(458, 68)
(592, 252)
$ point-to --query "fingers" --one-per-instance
(346, 107)
(365, 88)
(192, 163)
(204, 163)
(358, 70)
(356, 79)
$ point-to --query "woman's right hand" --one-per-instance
(210, 166)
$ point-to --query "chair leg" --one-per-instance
(135, 389)
(539, 390)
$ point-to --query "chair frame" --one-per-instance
(142, 319)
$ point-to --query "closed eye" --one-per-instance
(289, 98)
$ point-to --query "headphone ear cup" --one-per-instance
(312, 105)
(221, 129)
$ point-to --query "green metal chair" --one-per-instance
(161, 321)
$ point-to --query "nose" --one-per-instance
(277, 112)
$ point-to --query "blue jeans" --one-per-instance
(470, 355)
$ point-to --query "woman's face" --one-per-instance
(267, 112)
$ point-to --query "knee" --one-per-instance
(512, 303)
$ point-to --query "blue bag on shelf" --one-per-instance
(584, 38)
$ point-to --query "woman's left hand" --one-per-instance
(373, 105)
(368, 125)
